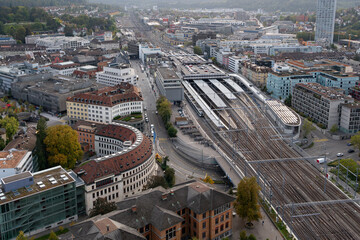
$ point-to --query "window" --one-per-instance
(227, 225)
(222, 228)
(204, 215)
(204, 235)
(217, 221)
(216, 230)
(204, 225)
(194, 224)
(171, 233)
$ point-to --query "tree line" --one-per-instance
(19, 22)
(40, 3)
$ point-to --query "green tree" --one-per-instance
(243, 235)
(53, 236)
(2, 144)
(169, 176)
(101, 207)
(68, 31)
(355, 140)
(21, 236)
(247, 200)
(164, 108)
(62, 146)
(172, 131)
(40, 147)
(251, 237)
(156, 181)
(288, 100)
(197, 50)
(307, 127)
(20, 33)
(334, 128)
(11, 126)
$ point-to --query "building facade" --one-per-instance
(127, 161)
(350, 118)
(281, 84)
(169, 84)
(114, 76)
(36, 202)
(325, 21)
(105, 104)
(256, 74)
(321, 104)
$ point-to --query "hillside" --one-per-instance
(38, 3)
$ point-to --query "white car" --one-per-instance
(339, 154)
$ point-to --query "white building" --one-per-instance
(121, 172)
(65, 68)
(113, 76)
(145, 49)
(105, 104)
(15, 162)
(60, 42)
(234, 63)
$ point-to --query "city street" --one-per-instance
(184, 170)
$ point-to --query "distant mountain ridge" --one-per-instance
(268, 5)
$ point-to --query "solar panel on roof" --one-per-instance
(16, 193)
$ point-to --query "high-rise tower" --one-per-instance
(325, 21)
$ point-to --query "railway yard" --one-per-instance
(309, 203)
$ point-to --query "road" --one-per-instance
(184, 169)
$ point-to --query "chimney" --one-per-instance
(133, 209)
(107, 227)
(164, 196)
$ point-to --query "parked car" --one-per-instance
(339, 154)
(349, 144)
(351, 150)
(146, 120)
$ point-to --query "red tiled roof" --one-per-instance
(109, 96)
(59, 67)
(117, 164)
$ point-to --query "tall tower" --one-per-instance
(325, 21)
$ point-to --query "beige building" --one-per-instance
(256, 74)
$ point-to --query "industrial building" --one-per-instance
(169, 84)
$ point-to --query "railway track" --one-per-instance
(287, 182)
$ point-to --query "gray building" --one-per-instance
(325, 21)
(51, 93)
(321, 104)
(169, 84)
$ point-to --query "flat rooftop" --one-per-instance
(204, 71)
(168, 73)
(11, 159)
(188, 59)
(286, 115)
(219, 103)
(326, 92)
(42, 182)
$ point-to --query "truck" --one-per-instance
(320, 160)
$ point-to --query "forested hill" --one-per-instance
(268, 5)
(39, 3)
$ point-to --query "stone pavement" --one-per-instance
(260, 231)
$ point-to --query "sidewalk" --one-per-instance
(260, 231)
